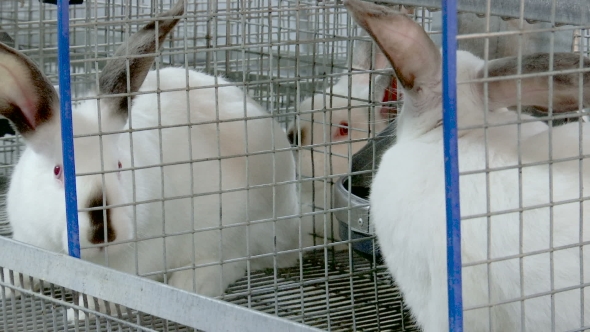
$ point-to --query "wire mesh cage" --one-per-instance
(518, 272)
(331, 90)
(261, 43)
(279, 53)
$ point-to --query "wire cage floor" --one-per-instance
(375, 305)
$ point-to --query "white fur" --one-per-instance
(325, 153)
(37, 211)
(408, 210)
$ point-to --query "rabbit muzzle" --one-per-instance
(101, 229)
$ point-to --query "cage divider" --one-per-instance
(453, 211)
(67, 135)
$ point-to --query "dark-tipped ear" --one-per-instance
(535, 90)
(410, 51)
(27, 97)
(113, 79)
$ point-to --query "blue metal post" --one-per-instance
(67, 135)
(449, 12)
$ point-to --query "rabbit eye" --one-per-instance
(119, 165)
(343, 129)
(57, 171)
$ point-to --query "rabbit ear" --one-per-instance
(113, 79)
(27, 98)
(535, 90)
(414, 57)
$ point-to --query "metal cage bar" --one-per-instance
(280, 53)
(451, 159)
(67, 131)
(138, 293)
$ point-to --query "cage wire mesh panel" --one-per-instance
(277, 51)
(523, 200)
(300, 60)
(238, 39)
(45, 309)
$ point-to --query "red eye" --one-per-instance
(120, 165)
(343, 129)
(57, 171)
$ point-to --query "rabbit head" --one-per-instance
(35, 204)
(417, 64)
(349, 120)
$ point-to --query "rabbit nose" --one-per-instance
(99, 219)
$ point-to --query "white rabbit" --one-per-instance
(172, 177)
(534, 211)
(330, 137)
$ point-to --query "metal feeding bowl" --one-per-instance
(352, 207)
(355, 218)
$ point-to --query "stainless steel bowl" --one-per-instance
(354, 218)
(352, 213)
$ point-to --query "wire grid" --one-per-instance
(255, 42)
(360, 295)
(376, 307)
(279, 59)
(523, 238)
(48, 309)
(279, 52)
(582, 41)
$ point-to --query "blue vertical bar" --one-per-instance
(449, 12)
(67, 135)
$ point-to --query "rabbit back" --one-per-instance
(418, 262)
(190, 167)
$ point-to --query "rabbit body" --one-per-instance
(404, 206)
(522, 228)
(149, 183)
(189, 175)
(328, 138)
(338, 134)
